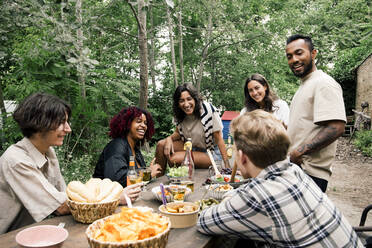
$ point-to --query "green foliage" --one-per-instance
(41, 50)
(149, 155)
(9, 133)
(160, 107)
(78, 168)
(363, 141)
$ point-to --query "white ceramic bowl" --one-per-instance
(181, 220)
(218, 194)
(43, 236)
(157, 193)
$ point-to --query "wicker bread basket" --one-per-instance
(158, 241)
(89, 212)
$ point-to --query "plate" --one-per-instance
(172, 179)
(234, 184)
(207, 203)
(147, 182)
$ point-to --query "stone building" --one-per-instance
(364, 84)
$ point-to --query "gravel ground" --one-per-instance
(350, 187)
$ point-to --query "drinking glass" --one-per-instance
(189, 184)
(146, 177)
(178, 193)
(133, 179)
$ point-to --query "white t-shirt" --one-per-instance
(318, 99)
(281, 111)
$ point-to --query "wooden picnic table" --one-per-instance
(178, 238)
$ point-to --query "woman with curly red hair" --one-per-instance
(128, 130)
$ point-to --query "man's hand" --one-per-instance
(296, 156)
(330, 131)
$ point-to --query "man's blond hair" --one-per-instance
(261, 137)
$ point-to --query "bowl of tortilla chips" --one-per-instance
(137, 227)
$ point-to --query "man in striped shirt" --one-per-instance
(280, 206)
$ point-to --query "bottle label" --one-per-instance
(187, 144)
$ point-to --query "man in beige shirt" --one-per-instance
(31, 184)
(317, 113)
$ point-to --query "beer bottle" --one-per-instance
(132, 173)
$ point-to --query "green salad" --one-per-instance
(181, 171)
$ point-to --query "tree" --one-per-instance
(170, 4)
(143, 52)
(180, 41)
(152, 49)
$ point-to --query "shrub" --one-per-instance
(77, 168)
(148, 154)
(363, 141)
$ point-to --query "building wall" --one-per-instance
(364, 84)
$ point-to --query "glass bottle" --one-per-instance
(188, 143)
(188, 160)
(132, 173)
(229, 149)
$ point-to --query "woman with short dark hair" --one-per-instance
(195, 119)
(31, 184)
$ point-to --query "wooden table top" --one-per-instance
(178, 238)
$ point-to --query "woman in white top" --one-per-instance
(259, 96)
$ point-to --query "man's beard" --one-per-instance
(306, 71)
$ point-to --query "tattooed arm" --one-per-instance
(329, 133)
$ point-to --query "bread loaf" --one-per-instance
(74, 196)
(76, 187)
(94, 184)
(106, 188)
(115, 193)
(95, 190)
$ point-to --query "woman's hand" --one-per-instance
(168, 147)
(132, 191)
(226, 163)
(63, 209)
(156, 169)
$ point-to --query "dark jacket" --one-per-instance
(113, 162)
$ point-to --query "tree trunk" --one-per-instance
(2, 116)
(142, 43)
(2, 105)
(80, 65)
(152, 50)
(180, 42)
(170, 30)
(205, 52)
